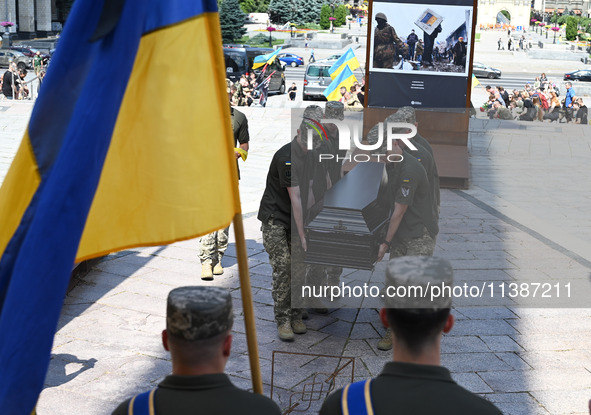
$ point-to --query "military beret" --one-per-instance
(419, 283)
(199, 313)
(381, 16)
(334, 110)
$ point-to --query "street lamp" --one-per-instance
(556, 29)
(270, 29)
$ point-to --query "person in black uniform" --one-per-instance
(414, 381)
(198, 335)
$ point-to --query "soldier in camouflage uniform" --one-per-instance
(411, 117)
(198, 335)
(414, 382)
(320, 275)
(214, 245)
(282, 213)
(387, 44)
(413, 227)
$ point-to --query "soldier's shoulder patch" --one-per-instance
(405, 191)
(405, 180)
(287, 170)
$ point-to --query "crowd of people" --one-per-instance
(354, 98)
(13, 84)
(538, 102)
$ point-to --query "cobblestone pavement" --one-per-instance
(524, 219)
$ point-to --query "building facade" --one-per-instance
(511, 12)
(34, 18)
(575, 7)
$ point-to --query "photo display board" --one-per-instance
(415, 55)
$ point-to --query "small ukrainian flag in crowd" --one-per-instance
(344, 79)
(348, 59)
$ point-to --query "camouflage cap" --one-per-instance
(199, 313)
(381, 16)
(419, 282)
(409, 114)
(313, 112)
(334, 110)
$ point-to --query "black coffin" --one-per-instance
(348, 224)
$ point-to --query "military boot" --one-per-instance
(298, 326)
(217, 269)
(385, 343)
(206, 271)
(285, 331)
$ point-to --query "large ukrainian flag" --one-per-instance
(129, 140)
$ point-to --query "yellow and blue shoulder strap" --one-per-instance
(142, 404)
(356, 398)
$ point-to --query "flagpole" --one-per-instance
(249, 323)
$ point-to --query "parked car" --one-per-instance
(316, 80)
(31, 52)
(291, 59)
(239, 61)
(481, 70)
(580, 75)
(334, 57)
(22, 61)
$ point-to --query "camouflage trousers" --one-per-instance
(320, 276)
(422, 246)
(287, 260)
(213, 246)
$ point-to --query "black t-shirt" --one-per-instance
(240, 128)
(288, 169)
(292, 92)
(410, 186)
(7, 84)
(206, 394)
(407, 388)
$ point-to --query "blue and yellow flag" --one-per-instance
(348, 59)
(263, 60)
(118, 153)
(475, 81)
(344, 79)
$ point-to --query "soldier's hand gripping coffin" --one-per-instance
(348, 224)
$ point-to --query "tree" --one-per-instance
(308, 11)
(571, 28)
(282, 11)
(231, 21)
(324, 15)
(340, 14)
(254, 6)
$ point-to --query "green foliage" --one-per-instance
(562, 20)
(231, 21)
(554, 18)
(506, 14)
(282, 11)
(254, 6)
(340, 13)
(324, 15)
(571, 28)
(308, 11)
